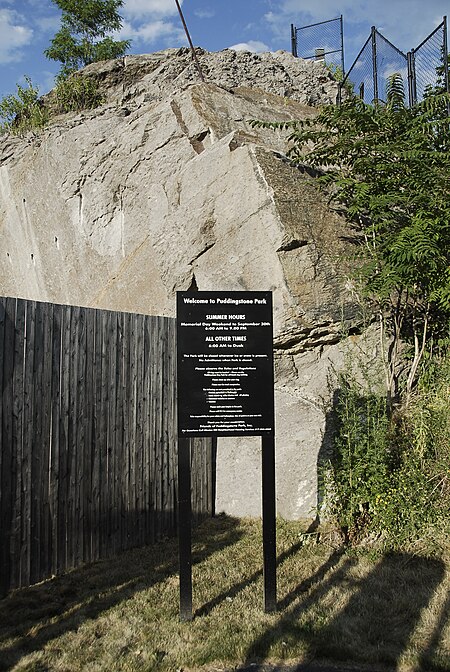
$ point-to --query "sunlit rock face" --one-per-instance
(167, 187)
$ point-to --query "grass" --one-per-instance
(383, 612)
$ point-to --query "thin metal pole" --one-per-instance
(412, 90)
(269, 523)
(184, 528)
(294, 40)
(342, 47)
(194, 55)
(445, 49)
(374, 65)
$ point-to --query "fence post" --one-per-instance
(373, 35)
(412, 88)
(184, 528)
(269, 523)
(445, 49)
(294, 40)
(342, 47)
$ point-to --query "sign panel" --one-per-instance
(225, 364)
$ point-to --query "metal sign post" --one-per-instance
(269, 524)
(184, 528)
(225, 388)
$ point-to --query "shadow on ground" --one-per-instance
(33, 616)
(377, 622)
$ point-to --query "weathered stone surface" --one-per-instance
(166, 187)
(150, 77)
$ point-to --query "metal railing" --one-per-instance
(423, 69)
(323, 41)
(429, 64)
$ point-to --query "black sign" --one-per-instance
(225, 364)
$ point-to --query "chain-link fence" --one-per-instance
(322, 41)
(422, 69)
(377, 60)
(429, 64)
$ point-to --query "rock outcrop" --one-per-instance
(167, 187)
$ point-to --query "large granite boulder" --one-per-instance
(167, 187)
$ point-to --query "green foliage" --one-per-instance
(389, 475)
(336, 71)
(77, 93)
(83, 36)
(24, 111)
(358, 469)
(390, 167)
(395, 92)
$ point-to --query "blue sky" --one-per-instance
(27, 26)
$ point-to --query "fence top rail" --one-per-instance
(320, 23)
(325, 53)
(356, 60)
(399, 51)
(112, 311)
(440, 26)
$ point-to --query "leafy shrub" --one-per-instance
(357, 471)
(23, 112)
(389, 475)
(77, 93)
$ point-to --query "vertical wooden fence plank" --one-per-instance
(88, 421)
(45, 402)
(148, 442)
(137, 502)
(98, 524)
(36, 444)
(170, 433)
(158, 419)
(56, 414)
(103, 441)
(4, 469)
(125, 422)
(64, 454)
(133, 411)
(72, 437)
(123, 405)
(18, 427)
(152, 430)
(81, 466)
(27, 452)
(115, 503)
(7, 447)
(108, 436)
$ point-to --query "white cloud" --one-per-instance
(404, 22)
(14, 35)
(204, 13)
(46, 81)
(138, 9)
(253, 46)
(48, 24)
(152, 32)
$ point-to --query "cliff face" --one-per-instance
(167, 187)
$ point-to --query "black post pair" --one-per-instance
(268, 521)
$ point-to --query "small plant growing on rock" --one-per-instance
(77, 93)
(24, 111)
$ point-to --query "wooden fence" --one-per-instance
(88, 449)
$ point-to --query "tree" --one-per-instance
(83, 36)
(390, 167)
